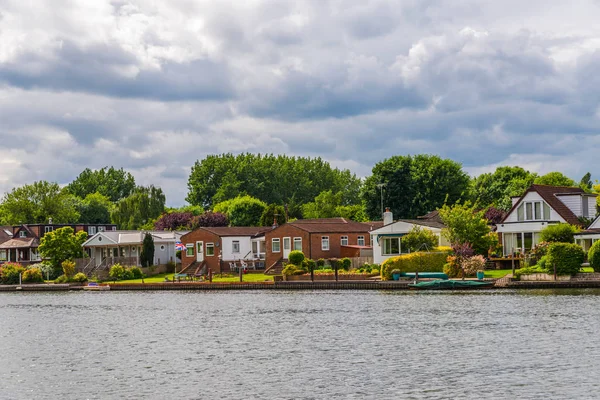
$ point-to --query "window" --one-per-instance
(35, 255)
(92, 230)
(100, 229)
(114, 228)
(275, 245)
(189, 249)
(298, 243)
(133, 250)
(235, 246)
(325, 243)
(2, 255)
(533, 211)
(210, 249)
(344, 241)
(122, 251)
(585, 206)
(391, 246)
(48, 229)
(361, 240)
(162, 247)
(521, 242)
(22, 234)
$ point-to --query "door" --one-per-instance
(199, 251)
(287, 247)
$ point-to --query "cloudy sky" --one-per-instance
(152, 86)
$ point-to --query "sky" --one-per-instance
(152, 86)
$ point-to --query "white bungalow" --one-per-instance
(126, 246)
(387, 239)
(589, 236)
(539, 207)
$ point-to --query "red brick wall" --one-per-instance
(335, 246)
(207, 237)
(281, 232)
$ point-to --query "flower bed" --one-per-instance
(329, 277)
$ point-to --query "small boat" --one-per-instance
(93, 286)
(451, 285)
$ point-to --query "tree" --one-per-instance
(115, 184)
(414, 185)
(36, 203)
(95, 209)
(419, 238)
(140, 208)
(60, 245)
(209, 219)
(174, 221)
(464, 224)
(147, 253)
(330, 205)
(496, 189)
(494, 215)
(273, 179)
(273, 212)
(245, 211)
(555, 179)
(586, 182)
(559, 233)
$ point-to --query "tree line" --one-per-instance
(254, 189)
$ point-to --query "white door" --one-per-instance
(199, 251)
(287, 247)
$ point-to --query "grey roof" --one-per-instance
(137, 237)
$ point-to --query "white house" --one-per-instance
(387, 239)
(539, 207)
(589, 236)
(125, 246)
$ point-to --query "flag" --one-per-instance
(179, 246)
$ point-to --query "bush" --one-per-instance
(530, 270)
(419, 238)
(33, 275)
(310, 264)
(543, 262)
(413, 262)
(68, 268)
(61, 279)
(346, 264)
(136, 272)
(80, 277)
(452, 267)
(375, 271)
(594, 256)
(117, 272)
(561, 233)
(9, 273)
(320, 263)
(567, 257)
(170, 268)
(292, 269)
(473, 264)
(296, 257)
(334, 263)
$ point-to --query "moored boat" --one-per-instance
(93, 286)
(451, 285)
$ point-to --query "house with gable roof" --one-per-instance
(539, 207)
(589, 236)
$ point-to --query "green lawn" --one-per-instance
(161, 278)
(497, 273)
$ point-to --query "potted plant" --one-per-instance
(480, 274)
(396, 274)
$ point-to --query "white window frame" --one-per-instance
(278, 241)
(342, 238)
(22, 234)
(325, 243)
(209, 246)
(359, 240)
(3, 255)
(383, 246)
(233, 246)
(48, 229)
(92, 230)
(297, 240)
(114, 228)
(101, 229)
(526, 204)
(188, 247)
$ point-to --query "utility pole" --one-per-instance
(381, 186)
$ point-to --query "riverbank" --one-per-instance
(294, 285)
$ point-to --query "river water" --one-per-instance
(305, 345)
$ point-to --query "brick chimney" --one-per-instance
(388, 217)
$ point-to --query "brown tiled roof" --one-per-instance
(549, 194)
(432, 216)
(238, 230)
(589, 232)
(19, 243)
(5, 233)
(424, 222)
(331, 225)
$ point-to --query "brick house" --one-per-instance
(318, 238)
(22, 247)
(224, 248)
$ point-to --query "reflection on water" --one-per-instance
(327, 345)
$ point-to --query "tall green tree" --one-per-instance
(147, 253)
(586, 182)
(36, 203)
(330, 205)
(555, 179)
(274, 179)
(414, 185)
(242, 211)
(60, 245)
(141, 208)
(495, 189)
(115, 184)
(95, 209)
(465, 224)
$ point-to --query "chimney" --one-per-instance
(388, 217)
(50, 221)
(275, 221)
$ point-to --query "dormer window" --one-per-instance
(22, 234)
(533, 211)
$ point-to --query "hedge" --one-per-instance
(594, 256)
(413, 262)
(567, 257)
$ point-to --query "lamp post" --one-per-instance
(381, 186)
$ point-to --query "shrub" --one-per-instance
(310, 264)
(117, 272)
(296, 257)
(594, 256)
(136, 272)
(542, 262)
(562, 233)
(33, 275)
(170, 268)
(334, 263)
(68, 268)
(320, 263)
(413, 262)
(452, 267)
(80, 277)
(346, 264)
(567, 257)
(375, 271)
(473, 264)
(530, 270)
(419, 238)
(61, 279)
(292, 269)
(9, 273)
